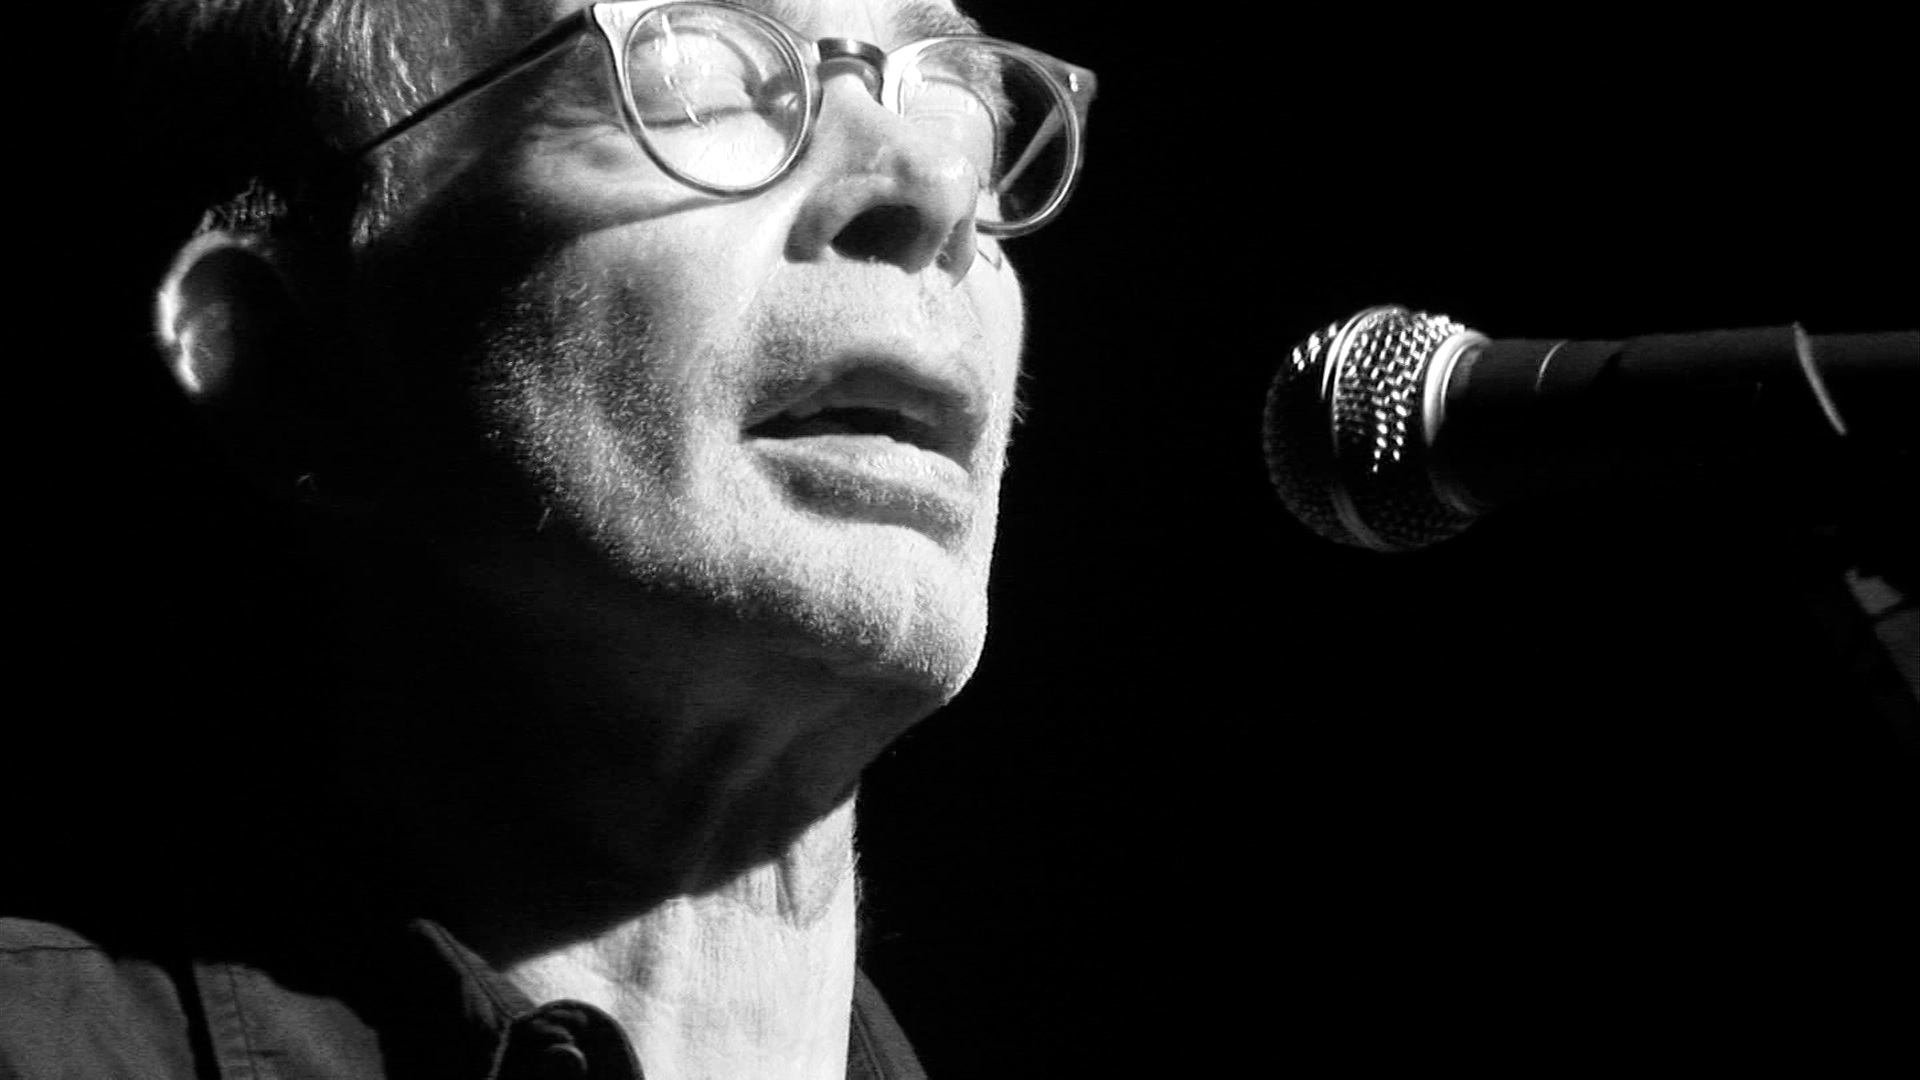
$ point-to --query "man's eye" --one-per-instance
(958, 113)
(704, 100)
(686, 77)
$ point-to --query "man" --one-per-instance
(638, 378)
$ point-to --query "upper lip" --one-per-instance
(920, 403)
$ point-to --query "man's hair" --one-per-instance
(247, 113)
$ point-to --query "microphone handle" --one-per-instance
(1522, 417)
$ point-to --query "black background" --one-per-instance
(1583, 785)
(1587, 784)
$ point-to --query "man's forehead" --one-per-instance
(903, 19)
(907, 18)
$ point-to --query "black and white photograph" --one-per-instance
(800, 539)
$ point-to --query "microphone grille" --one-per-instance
(1345, 444)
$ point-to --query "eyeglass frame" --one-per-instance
(1071, 85)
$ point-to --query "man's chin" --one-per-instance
(907, 631)
(872, 600)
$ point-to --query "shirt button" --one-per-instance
(563, 1061)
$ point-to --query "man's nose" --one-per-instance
(886, 191)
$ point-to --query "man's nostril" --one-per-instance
(880, 233)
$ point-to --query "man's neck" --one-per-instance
(752, 979)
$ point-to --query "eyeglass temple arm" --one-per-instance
(548, 43)
(1080, 80)
(1048, 127)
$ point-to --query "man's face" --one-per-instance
(789, 408)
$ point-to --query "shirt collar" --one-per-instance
(405, 1002)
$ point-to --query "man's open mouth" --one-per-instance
(848, 420)
(877, 400)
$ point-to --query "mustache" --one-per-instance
(796, 338)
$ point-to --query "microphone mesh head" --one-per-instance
(1345, 444)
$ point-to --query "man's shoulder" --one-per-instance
(35, 952)
(72, 1006)
(19, 936)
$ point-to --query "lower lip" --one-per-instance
(871, 478)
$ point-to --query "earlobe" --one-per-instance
(223, 301)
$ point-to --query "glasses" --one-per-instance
(725, 100)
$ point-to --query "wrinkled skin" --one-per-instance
(676, 643)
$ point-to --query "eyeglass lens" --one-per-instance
(720, 97)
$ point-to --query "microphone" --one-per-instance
(1394, 430)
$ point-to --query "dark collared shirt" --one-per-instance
(410, 1003)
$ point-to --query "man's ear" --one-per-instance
(240, 338)
(225, 310)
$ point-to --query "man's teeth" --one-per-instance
(815, 421)
(918, 412)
